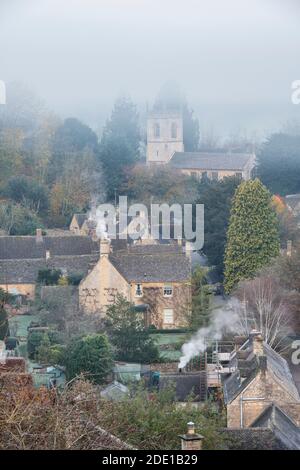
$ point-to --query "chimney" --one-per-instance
(257, 342)
(289, 248)
(39, 235)
(104, 247)
(191, 440)
(263, 364)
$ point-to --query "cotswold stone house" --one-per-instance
(82, 225)
(21, 258)
(262, 392)
(157, 275)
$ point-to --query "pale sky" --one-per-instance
(235, 59)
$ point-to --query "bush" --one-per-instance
(90, 355)
(49, 277)
(38, 338)
(74, 279)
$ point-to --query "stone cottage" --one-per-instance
(261, 389)
(156, 275)
(21, 258)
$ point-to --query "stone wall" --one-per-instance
(268, 390)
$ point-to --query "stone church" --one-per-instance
(165, 146)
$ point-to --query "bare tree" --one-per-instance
(264, 305)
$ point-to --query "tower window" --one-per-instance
(174, 130)
(156, 130)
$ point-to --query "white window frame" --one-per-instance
(168, 287)
(138, 287)
(168, 311)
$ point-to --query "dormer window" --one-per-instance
(138, 290)
(156, 130)
(168, 290)
(174, 130)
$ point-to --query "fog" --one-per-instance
(234, 59)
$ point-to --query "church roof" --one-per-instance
(210, 161)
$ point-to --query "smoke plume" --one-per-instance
(224, 320)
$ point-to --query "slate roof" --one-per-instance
(210, 161)
(284, 428)
(279, 367)
(16, 247)
(25, 271)
(185, 385)
(152, 267)
(234, 385)
(155, 249)
(276, 364)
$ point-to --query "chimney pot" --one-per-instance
(191, 440)
(257, 342)
(104, 247)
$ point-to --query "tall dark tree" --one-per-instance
(279, 163)
(120, 143)
(252, 237)
(216, 197)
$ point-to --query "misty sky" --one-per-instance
(235, 59)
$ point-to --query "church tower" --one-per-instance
(164, 136)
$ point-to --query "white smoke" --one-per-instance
(224, 320)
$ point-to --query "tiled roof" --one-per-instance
(25, 271)
(16, 247)
(154, 267)
(186, 385)
(285, 429)
(276, 364)
(210, 161)
(279, 367)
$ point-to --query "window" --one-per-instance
(214, 175)
(156, 130)
(168, 316)
(168, 291)
(138, 290)
(204, 174)
(174, 130)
